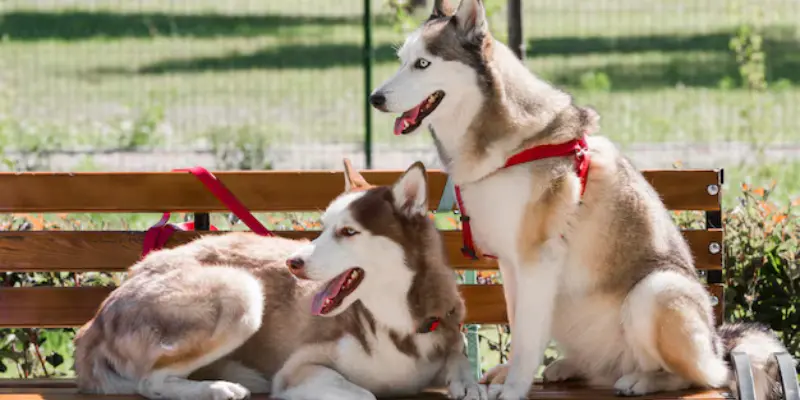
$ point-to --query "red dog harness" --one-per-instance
(578, 148)
(157, 236)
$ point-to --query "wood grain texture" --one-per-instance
(718, 290)
(49, 307)
(116, 251)
(260, 191)
(71, 307)
(63, 389)
(53, 307)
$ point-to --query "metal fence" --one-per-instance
(118, 85)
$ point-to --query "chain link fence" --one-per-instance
(243, 84)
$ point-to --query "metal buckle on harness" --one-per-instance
(469, 253)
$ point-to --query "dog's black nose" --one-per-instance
(295, 263)
(378, 100)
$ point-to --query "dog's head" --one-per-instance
(379, 246)
(444, 61)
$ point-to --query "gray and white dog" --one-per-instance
(604, 272)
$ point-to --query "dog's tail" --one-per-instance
(95, 371)
(759, 343)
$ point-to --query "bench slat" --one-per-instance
(260, 191)
(44, 251)
(59, 307)
(56, 307)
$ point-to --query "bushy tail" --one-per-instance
(95, 371)
(759, 343)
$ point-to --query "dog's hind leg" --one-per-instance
(668, 326)
(234, 305)
(156, 329)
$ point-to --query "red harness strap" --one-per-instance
(157, 236)
(577, 148)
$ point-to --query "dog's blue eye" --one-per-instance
(347, 232)
(421, 63)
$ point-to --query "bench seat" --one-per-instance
(64, 389)
(31, 251)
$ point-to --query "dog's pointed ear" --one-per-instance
(411, 191)
(471, 17)
(353, 181)
(441, 9)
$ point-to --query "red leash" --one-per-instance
(577, 148)
(157, 235)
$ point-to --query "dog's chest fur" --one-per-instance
(495, 206)
(385, 368)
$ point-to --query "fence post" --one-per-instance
(368, 58)
(515, 39)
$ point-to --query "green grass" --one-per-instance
(293, 68)
(154, 74)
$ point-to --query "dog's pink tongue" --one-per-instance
(410, 116)
(330, 291)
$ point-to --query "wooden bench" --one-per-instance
(84, 251)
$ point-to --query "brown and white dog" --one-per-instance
(606, 274)
(223, 316)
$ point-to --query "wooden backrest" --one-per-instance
(271, 191)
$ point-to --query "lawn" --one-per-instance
(292, 69)
(170, 74)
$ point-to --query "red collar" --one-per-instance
(577, 148)
(432, 323)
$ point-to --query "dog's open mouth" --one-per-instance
(331, 296)
(412, 118)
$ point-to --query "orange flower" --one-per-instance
(766, 208)
(759, 191)
(37, 222)
(745, 187)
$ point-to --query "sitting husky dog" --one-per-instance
(375, 311)
(605, 272)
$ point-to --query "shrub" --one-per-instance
(761, 264)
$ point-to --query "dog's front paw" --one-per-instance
(496, 375)
(222, 390)
(560, 370)
(467, 391)
(506, 392)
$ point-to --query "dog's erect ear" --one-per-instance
(353, 181)
(411, 191)
(471, 17)
(441, 8)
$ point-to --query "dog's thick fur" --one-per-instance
(607, 275)
(223, 316)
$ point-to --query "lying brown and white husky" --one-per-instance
(369, 308)
(604, 271)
